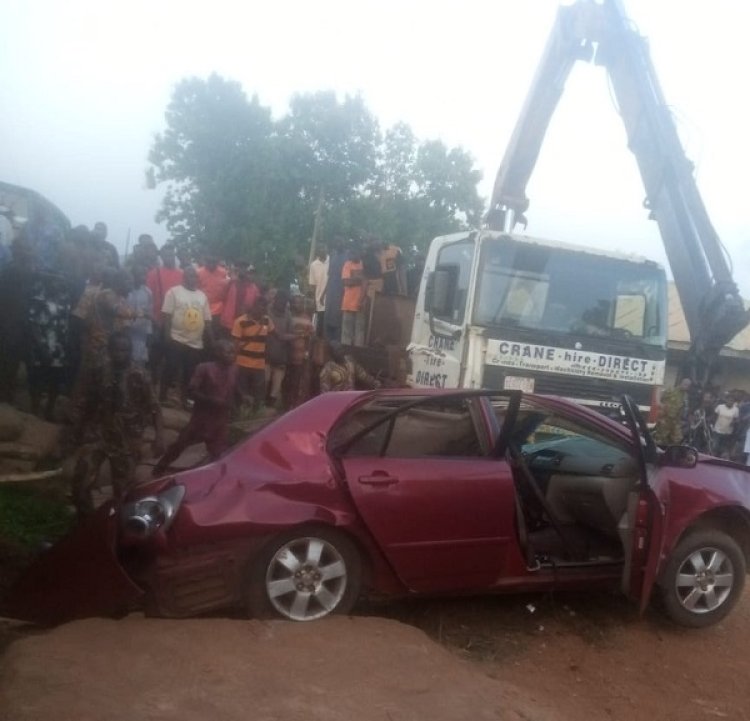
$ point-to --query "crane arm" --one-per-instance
(586, 30)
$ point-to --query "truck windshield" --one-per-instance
(551, 288)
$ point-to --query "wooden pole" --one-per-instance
(316, 226)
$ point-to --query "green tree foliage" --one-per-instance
(248, 185)
(330, 145)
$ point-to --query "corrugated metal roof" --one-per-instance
(678, 331)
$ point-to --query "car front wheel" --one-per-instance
(306, 575)
(703, 578)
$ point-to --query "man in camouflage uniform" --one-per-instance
(118, 401)
(343, 373)
(673, 423)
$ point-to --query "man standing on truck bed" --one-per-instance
(352, 303)
(392, 269)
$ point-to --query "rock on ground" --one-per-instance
(191, 670)
(24, 440)
(11, 426)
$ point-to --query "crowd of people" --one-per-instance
(123, 340)
(713, 423)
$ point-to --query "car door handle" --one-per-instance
(378, 478)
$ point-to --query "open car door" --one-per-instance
(641, 527)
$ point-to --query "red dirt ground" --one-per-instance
(570, 658)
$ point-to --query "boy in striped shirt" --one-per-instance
(250, 333)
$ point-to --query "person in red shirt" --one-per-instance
(214, 281)
(159, 280)
(213, 387)
(242, 293)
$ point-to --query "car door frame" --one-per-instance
(642, 558)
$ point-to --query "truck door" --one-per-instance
(439, 337)
(641, 529)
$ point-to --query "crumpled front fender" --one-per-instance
(78, 577)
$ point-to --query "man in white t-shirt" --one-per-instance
(186, 319)
(319, 282)
(727, 414)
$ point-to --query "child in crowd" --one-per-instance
(212, 387)
(251, 332)
(298, 371)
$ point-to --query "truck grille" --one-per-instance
(554, 384)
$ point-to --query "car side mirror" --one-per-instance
(439, 291)
(680, 457)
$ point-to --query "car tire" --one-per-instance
(304, 575)
(703, 578)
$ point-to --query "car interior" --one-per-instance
(573, 485)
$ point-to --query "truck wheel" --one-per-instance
(703, 578)
(305, 575)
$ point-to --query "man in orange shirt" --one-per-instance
(213, 281)
(353, 301)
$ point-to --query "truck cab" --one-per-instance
(507, 311)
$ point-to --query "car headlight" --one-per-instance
(142, 518)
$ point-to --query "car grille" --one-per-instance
(555, 384)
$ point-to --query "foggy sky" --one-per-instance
(84, 86)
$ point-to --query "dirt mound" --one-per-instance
(341, 668)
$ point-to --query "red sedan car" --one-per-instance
(414, 492)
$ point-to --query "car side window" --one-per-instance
(439, 428)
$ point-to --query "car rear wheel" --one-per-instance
(306, 575)
(703, 578)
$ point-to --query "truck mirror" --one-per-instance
(440, 286)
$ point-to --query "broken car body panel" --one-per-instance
(79, 577)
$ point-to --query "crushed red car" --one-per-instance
(408, 492)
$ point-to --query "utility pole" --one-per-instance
(316, 226)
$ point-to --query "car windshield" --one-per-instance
(540, 287)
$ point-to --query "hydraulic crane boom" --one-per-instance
(600, 31)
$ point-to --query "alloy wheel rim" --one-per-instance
(306, 579)
(704, 580)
